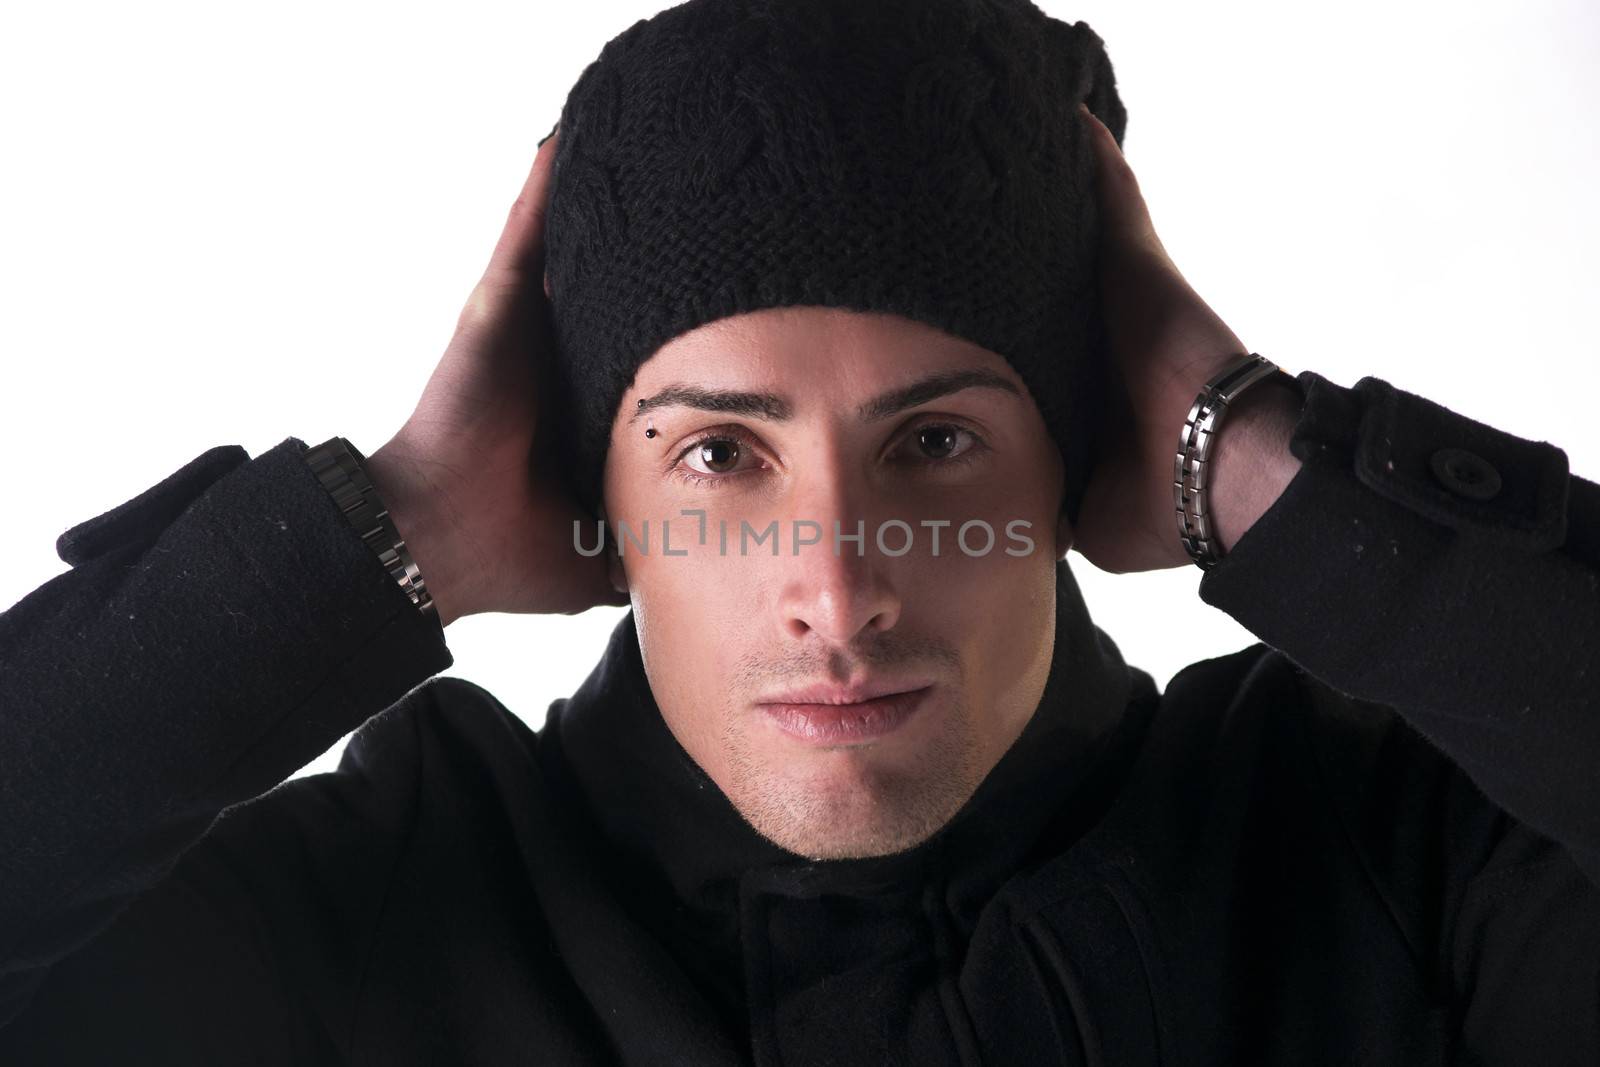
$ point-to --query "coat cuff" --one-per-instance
(139, 521)
(1450, 469)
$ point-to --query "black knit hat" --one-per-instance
(920, 157)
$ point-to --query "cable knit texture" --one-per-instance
(919, 157)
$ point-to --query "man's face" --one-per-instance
(731, 633)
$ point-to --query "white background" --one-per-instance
(228, 225)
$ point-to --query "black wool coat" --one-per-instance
(1371, 838)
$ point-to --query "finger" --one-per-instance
(1122, 204)
(520, 251)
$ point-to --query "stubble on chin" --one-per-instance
(869, 809)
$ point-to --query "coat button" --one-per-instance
(1465, 473)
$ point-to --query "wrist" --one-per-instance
(417, 510)
(1251, 463)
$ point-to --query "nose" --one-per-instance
(838, 596)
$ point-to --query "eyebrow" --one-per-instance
(778, 409)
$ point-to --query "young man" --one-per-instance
(822, 800)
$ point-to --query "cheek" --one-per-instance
(695, 625)
(999, 612)
(684, 578)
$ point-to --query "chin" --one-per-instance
(853, 801)
(851, 812)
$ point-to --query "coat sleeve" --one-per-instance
(1450, 571)
(214, 635)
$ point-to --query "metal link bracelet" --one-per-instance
(338, 466)
(1191, 464)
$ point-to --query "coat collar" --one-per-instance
(664, 821)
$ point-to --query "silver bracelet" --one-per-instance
(338, 466)
(1190, 488)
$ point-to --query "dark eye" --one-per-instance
(936, 442)
(719, 455)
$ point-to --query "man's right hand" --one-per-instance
(469, 479)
